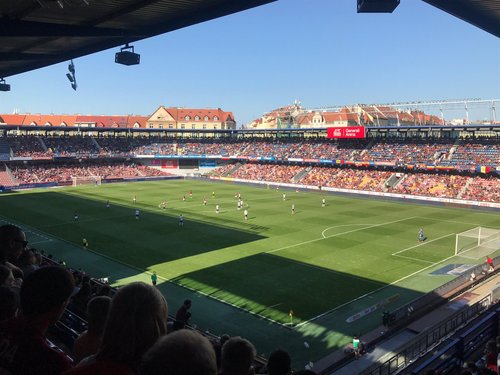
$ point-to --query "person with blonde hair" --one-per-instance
(181, 352)
(137, 318)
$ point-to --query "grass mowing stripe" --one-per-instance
(372, 292)
(338, 234)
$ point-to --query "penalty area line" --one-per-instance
(338, 234)
(372, 292)
(422, 244)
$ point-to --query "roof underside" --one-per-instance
(39, 33)
(484, 14)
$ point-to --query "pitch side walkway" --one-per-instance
(386, 349)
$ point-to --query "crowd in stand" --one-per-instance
(356, 179)
(128, 331)
(483, 189)
(476, 152)
(267, 172)
(426, 152)
(468, 154)
(423, 184)
(43, 173)
(465, 154)
(28, 146)
(438, 185)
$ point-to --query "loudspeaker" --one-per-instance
(377, 6)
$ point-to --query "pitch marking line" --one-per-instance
(373, 291)
(416, 259)
(422, 244)
(338, 234)
(43, 241)
(343, 225)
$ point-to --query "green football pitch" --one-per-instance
(294, 280)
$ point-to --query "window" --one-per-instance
(215, 126)
(206, 118)
(187, 118)
(136, 125)
(183, 126)
(170, 126)
(216, 118)
(193, 126)
(197, 118)
(204, 126)
(151, 126)
(161, 126)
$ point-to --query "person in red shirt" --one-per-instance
(490, 263)
(25, 350)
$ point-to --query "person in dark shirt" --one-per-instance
(25, 350)
(183, 315)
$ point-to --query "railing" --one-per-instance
(428, 339)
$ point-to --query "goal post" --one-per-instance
(86, 180)
(477, 242)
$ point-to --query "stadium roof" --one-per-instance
(39, 33)
(484, 14)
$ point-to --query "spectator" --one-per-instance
(183, 315)
(88, 342)
(9, 303)
(183, 352)
(6, 277)
(27, 262)
(137, 318)
(279, 363)
(44, 296)
(237, 358)
(12, 243)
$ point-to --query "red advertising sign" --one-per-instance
(346, 132)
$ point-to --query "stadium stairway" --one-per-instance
(301, 174)
(44, 146)
(384, 350)
(464, 188)
(6, 178)
(97, 145)
(232, 170)
(392, 181)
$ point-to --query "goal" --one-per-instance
(477, 242)
(87, 180)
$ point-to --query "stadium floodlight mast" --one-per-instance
(438, 105)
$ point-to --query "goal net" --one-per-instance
(477, 242)
(87, 180)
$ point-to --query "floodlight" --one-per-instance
(4, 86)
(72, 75)
(126, 56)
(377, 6)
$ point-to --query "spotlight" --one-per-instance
(126, 56)
(72, 75)
(377, 6)
(4, 86)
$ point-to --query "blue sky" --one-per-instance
(320, 52)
